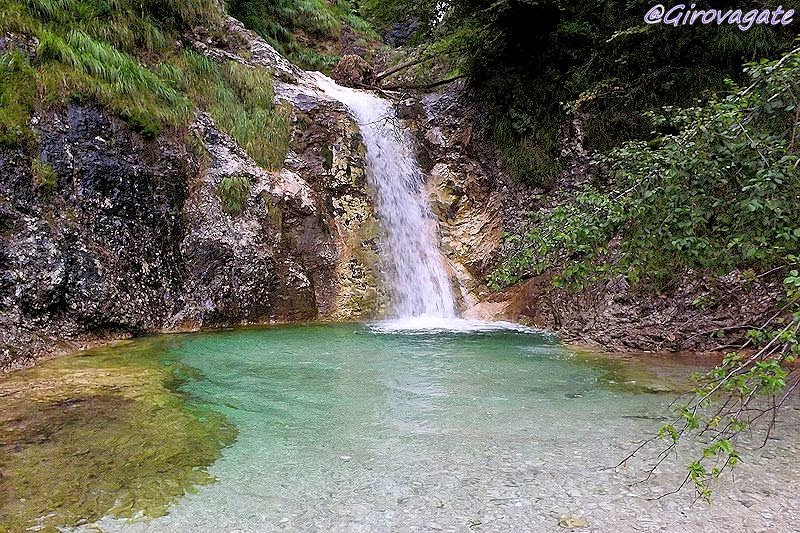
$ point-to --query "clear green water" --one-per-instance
(343, 429)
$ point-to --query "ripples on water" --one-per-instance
(351, 428)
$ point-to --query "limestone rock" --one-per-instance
(472, 198)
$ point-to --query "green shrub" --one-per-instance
(529, 59)
(719, 190)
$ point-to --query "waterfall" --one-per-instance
(415, 269)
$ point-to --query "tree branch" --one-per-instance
(424, 87)
(402, 66)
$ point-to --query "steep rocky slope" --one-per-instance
(128, 235)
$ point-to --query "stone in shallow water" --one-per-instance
(571, 522)
(103, 433)
(474, 522)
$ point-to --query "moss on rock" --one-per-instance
(101, 433)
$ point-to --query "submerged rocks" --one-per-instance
(101, 434)
(572, 522)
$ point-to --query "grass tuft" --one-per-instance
(304, 30)
(44, 176)
(122, 54)
(233, 191)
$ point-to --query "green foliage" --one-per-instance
(383, 14)
(792, 281)
(239, 99)
(716, 189)
(347, 12)
(73, 60)
(300, 28)
(17, 94)
(733, 396)
(312, 59)
(43, 174)
(530, 158)
(234, 191)
(529, 59)
(122, 55)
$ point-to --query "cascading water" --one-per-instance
(417, 277)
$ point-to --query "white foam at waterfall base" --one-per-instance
(422, 295)
(425, 325)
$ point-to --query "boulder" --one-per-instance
(410, 108)
(401, 32)
(353, 71)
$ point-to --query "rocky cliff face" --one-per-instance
(106, 234)
(477, 204)
(699, 313)
(92, 229)
(475, 201)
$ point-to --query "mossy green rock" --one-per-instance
(101, 433)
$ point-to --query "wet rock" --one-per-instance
(434, 136)
(94, 251)
(474, 523)
(327, 152)
(409, 108)
(611, 314)
(22, 43)
(353, 71)
(474, 200)
(401, 32)
(233, 42)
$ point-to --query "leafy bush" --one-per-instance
(744, 392)
(527, 59)
(720, 192)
